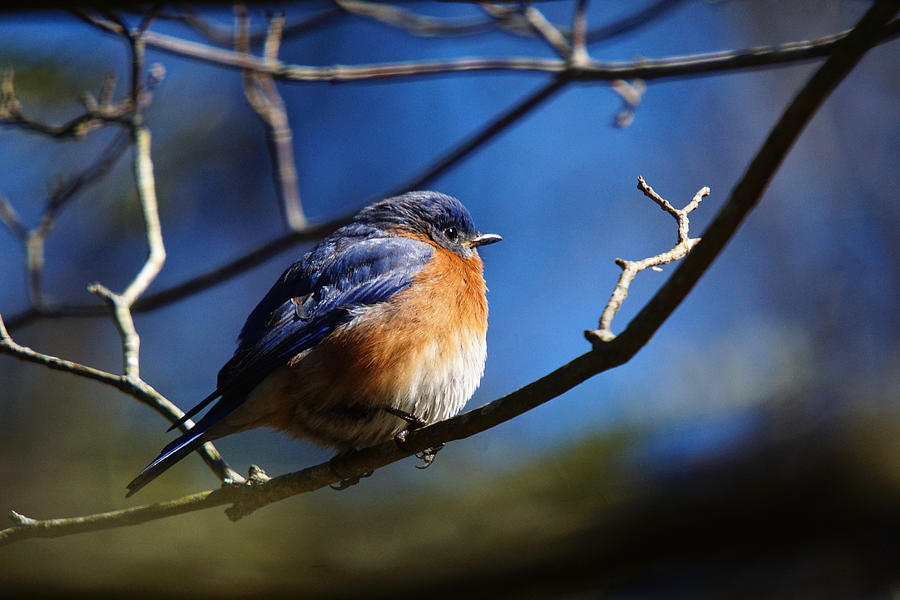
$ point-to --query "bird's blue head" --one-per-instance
(436, 217)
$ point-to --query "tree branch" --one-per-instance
(591, 70)
(96, 115)
(263, 96)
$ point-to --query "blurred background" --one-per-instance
(751, 449)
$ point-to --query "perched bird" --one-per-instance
(382, 324)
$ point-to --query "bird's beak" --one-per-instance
(483, 239)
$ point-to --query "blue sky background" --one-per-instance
(797, 317)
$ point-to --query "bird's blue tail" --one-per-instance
(184, 445)
(170, 455)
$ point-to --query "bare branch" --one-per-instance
(95, 117)
(579, 56)
(263, 96)
(592, 70)
(548, 31)
(26, 527)
(269, 249)
(59, 198)
(630, 268)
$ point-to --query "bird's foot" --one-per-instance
(427, 456)
(343, 484)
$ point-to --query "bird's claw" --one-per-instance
(343, 484)
(427, 456)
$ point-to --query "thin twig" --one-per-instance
(548, 31)
(269, 249)
(263, 96)
(192, 286)
(77, 128)
(579, 55)
(59, 198)
(630, 268)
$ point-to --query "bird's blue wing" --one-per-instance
(311, 298)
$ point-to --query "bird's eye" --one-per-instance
(451, 233)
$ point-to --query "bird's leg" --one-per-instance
(345, 482)
(414, 421)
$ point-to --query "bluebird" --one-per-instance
(382, 324)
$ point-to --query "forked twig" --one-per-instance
(630, 268)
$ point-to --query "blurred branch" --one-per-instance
(589, 70)
(59, 198)
(579, 56)
(224, 35)
(547, 30)
(263, 96)
(631, 94)
(96, 115)
(630, 268)
(413, 23)
(244, 499)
